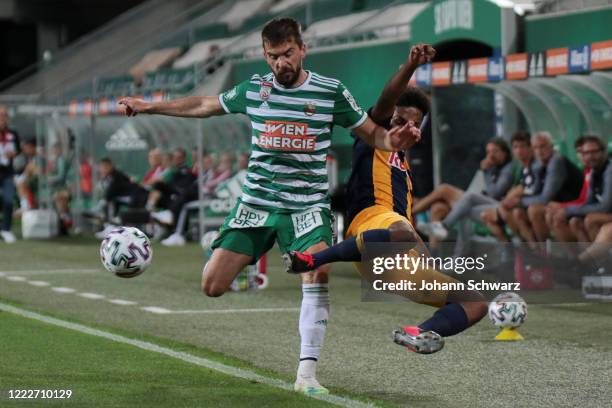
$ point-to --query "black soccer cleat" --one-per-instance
(298, 262)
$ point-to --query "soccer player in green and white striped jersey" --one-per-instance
(284, 199)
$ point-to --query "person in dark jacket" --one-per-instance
(557, 179)
(9, 148)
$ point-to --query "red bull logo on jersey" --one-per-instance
(397, 162)
(283, 135)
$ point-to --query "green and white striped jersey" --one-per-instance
(291, 135)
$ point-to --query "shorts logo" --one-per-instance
(306, 221)
(282, 135)
(247, 217)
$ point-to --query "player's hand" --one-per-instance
(133, 106)
(401, 138)
(421, 54)
(486, 163)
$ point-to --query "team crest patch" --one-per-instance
(247, 217)
(264, 90)
(306, 221)
(310, 108)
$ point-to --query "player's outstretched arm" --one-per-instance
(383, 109)
(396, 139)
(188, 107)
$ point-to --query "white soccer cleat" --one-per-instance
(107, 229)
(163, 217)
(434, 229)
(309, 386)
(8, 237)
(174, 240)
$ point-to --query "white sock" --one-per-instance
(313, 323)
(24, 204)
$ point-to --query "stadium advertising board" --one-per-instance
(477, 70)
(601, 55)
(516, 66)
(579, 59)
(557, 61)
(441, 73)
(495, 69)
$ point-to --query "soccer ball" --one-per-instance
(126, 252)
(508, 310)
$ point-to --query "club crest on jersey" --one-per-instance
(310, 108)
(264, 90)
(397, 162)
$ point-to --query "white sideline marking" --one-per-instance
(122, 302)
(179, 355)
(39, 283)
(48, 271)
(87, 295)
(213, 311)
(16, 278)
(2, 274)
(63, 290)
(155, 309)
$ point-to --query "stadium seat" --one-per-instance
(241, 10)
(152, 61)
(200, 52)
(336, 25)
(388, 21)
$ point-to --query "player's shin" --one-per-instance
(313, 324)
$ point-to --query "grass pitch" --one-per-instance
(566, 359)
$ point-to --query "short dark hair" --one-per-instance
(521, 136)
(415, 98)
(280, 30)
(106, 160)
(31, 142)
(589, 139)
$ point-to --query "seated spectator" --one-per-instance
(223, 173)
(26, 180)
(176, 179)
(599, 249)
(558, 179)
(498, 174)
(526, 185)
(116, 188)
(568, 220)
(57, 173)
(156, 169)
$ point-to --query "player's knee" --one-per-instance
(590, 221)
(402, 232)
(575, 223)
(211, 289)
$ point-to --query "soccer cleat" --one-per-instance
(309, 386)
(174, 240)
(163, 217)
(434, 229)
(8, 237)
(298, 262)
(417, 340)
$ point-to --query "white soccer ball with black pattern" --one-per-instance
(508, 310)
(126, 252)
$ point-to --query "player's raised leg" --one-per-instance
(221, 269)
